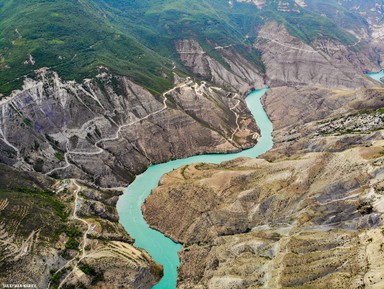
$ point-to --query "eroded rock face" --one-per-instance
(108, 129)
(240, 74)
(289, 61)
(287, 106)
(259, 3)
(300, 219)
(309, 221)
(121, 265)
(312, 119)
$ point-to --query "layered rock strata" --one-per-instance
(308, 215)
(289, 61)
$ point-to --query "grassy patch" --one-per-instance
(59, 156)
(56, 276)
(72, 244)
(72, 231)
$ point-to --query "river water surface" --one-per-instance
(376, 75)
(161, 248)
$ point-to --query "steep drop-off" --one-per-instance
(108, 129)
(289, 61)
(307, 215)
(159, 80)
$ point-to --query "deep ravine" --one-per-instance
(161, 248)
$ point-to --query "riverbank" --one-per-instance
(294, 218)
(162, 249)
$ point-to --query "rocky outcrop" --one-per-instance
(235, 73)
(289, 61)
(377, 36)
(108, 129)
(287, 106)
(299, 219)
(309, 221)
(116, 265)
(308, 119)
(372, 12)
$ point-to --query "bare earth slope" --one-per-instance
(306, 216)
(309, 217)
(108, 129)
(289, 61)
(308, 222)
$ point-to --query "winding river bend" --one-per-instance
(161, 248)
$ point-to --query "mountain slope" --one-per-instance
(104, 89)
(74, 39)
(136, 39)
(44, 238)
(307, 214)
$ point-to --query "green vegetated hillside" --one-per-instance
(343, 16)
(72, 38)
(134, 38)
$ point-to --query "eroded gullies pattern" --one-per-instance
(162, 249)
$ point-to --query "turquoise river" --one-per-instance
(376, 75)
(161, 248)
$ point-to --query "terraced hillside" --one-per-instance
(56, 232)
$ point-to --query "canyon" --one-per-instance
(80, 122)
(305, 214)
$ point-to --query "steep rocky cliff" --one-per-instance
(291, 221)
(363, 18)
(312, 119)
(290, 61)
(235, 73)
(108, 129)
(312, 221)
